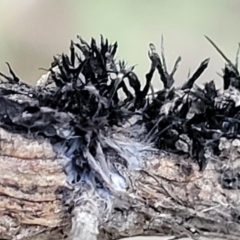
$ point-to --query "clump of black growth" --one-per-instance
(197, 117)
(80, 103)
(77, 105)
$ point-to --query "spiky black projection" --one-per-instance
(79, 109)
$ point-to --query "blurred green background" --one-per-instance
(32, 31)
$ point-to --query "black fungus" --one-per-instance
(81, 101)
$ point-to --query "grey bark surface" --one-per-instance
(169, 196)
(166, 195)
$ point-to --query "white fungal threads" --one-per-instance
(118, 181)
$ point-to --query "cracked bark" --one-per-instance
(170, 197)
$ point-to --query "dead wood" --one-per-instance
(130, 184)
(168, 196)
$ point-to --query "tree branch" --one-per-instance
(95, 176)
(170, 196)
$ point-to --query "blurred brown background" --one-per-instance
(32, 31)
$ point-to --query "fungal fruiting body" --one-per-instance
(103, 135)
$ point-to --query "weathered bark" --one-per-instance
(165, 195)
(169, 196)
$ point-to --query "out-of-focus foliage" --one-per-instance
(31, 31)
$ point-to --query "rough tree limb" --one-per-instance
(171, 197)
(152, 193)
